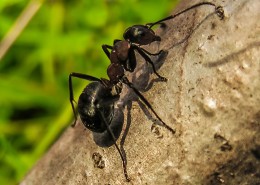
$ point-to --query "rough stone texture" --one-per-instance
(211, 99)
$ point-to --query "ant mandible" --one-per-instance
(96, 103)
(123, 51)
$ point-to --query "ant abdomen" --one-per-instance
(91, 102)
(96, 110)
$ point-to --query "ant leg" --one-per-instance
(128, 123)
(105, 49)
(119, 151)
(147, 59)
(130, 64)
(129, 84)
(72, 101)
(218, 9)
(153, 54)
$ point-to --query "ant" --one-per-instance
(96, 104)
(123, 51)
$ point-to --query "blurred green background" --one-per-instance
(61, 37)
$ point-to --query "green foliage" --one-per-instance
(62, 37)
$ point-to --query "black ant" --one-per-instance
(123, 51)
(96, 103)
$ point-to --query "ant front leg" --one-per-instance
(153, 54)
(143, 52)
(72, 101)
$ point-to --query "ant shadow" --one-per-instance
(191, 31)
(227, 58)
(141, 78)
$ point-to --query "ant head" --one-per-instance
(140, 34)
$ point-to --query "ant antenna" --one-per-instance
(218, 9)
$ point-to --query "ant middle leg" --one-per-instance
(152, 54)
(143, 52)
